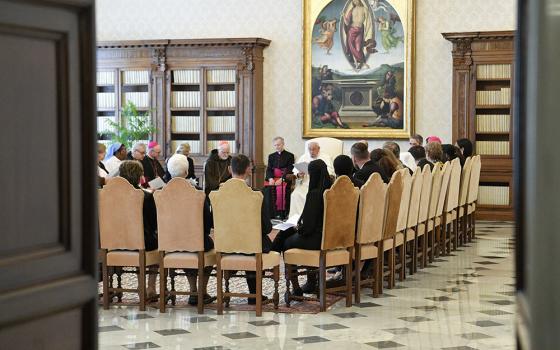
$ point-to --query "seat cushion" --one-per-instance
(388, 243)
(131, 258)
(367, 251)
(249, 262)
(410, 234)
(305, 257)
(187, 260)
(451, 216)
(472, 208)
(421, 229)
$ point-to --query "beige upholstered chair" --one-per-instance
(438, 221)
(449, 219)
(329, 145)
(463, 192)
(431, 226)
(400, 246)
(387, 244)
(472, 196)
(339, 227)
(121, 230)
(180, 210)
(411, 230)
(421, 245)
(238, 240)
(369, 232)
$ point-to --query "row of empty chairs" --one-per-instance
(399, 226)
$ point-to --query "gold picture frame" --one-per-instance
(354, 85)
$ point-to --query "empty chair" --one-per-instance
(180, 209)
(339, 225)
(121, 231)
(369, 231)
(399, 239)
(472, 196)
(238, 240)
(438, 221)
(431, 226)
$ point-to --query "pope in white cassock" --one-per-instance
(297, 199)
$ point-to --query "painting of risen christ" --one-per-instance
(357, 33)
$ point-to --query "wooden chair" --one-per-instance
(438, 220)
(238, 241)
(463, 192)
(399, 239)
(180, 210)
(431, 227)
(472, 196)
(121, 230)
(371, 218)
(449, 219)
(411, 230)
(339, 227)
(387, 244)
(421, 244)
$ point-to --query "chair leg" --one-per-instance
(142, 280)
(162, 283)
(391, 258)
(455, 233)
(287, 277)
(349, 277)
(105, 280)
(402, 260)
(323, 281)
(276, 297)
(258, 280)
(375, 285)
(380, 267)
(200, 301)
(219, 276)
(357, 275)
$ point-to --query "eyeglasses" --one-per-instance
(140, 152)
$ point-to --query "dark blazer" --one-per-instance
(208, 224)
(284, 161)
(150, 222)
(369, 168)
(152, 168)
(422, 162)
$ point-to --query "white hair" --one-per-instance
(178, 165)
(278, 138)
(139, 145)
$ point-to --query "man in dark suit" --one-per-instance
(152, 166)
(365, 167)
(419, 154)
(279, 164)
(241, 170)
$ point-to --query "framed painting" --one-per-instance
(358, 74)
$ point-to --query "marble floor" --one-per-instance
(463, 301)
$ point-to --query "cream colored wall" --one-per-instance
(281, 21)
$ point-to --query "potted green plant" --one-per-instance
(135, 126)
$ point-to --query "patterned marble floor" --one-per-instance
(463, 301)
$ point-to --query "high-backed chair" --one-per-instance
(472, 196)
(238, 240)
(369, 231)
(463, 192)
(121, 233)
(411, 230)
(431, 227)
(400, 246)
(180, 210)
(438, 220)
(329, 145)
(450, 227)
(339, 227)
(387, 244)
(420, 246)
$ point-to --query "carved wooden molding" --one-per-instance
(240, 42)
(248, 53)
(158, 59)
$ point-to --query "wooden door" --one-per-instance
(47, 203)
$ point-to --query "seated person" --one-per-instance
(466, 147)
(365, 167)
(132, 171)
(241, 169)
(419, 154)
(115, 155)
(298, 196)
(217, 167)
(396, 149)
(451, 152)
(308, 233)
(178, 166)
(343, 165)
(386, 160)
(183, 149)
(434, 152)
(279, 164)
(152, 166)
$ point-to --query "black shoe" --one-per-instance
(253, 301)
(311, 286)
(193, 299)
(297, 292)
